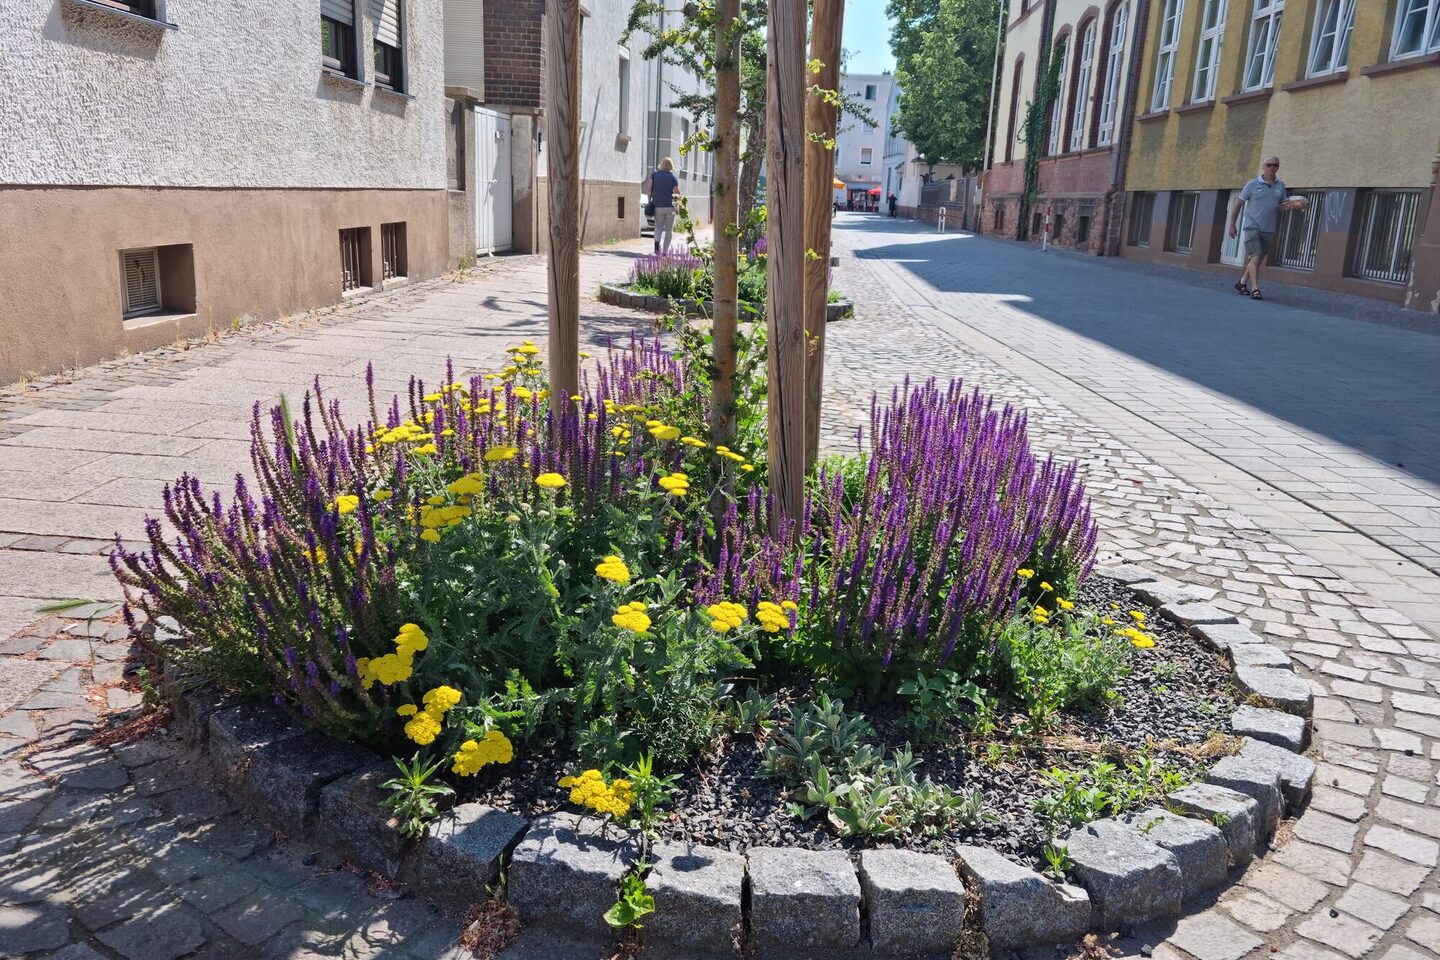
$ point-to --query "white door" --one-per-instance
(493, 189)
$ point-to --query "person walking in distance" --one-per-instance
(661, 187)
(1262, 199)
(894, 205)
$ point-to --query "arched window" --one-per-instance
(1118, 24)
(1080, 96)
(1057, 106)
(1014, 107)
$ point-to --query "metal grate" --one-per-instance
(1182, 222)
(142, 282)
(1387, 234)
(1232, 251)
(351, 273)
(1142, 211)
(392, 249)
(1298, 231)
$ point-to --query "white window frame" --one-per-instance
(1207, 57)
(872, 91)
(1081, 113)
(1114, 64)
(1057, 109)
(1264, 44)
(1428, 13)
(1337, 30)
(867, 156)
(623, 120)
(1165, 54)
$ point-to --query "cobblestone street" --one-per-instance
(1284, 462)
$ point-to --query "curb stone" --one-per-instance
(617, 296)
(564, 870)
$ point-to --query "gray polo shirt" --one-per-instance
(1262, 204)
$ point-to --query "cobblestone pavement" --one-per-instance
(123, 851)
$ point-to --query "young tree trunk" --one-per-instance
(727, 238)
(562, 128)
(750, 170)
(785, 201)
(820, 122)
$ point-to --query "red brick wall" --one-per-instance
(1080, 173)
(514, 62)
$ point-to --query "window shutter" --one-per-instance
(341, 10)
(387, 21)
(142, 281)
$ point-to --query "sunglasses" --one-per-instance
(1275, 165)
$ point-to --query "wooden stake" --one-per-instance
(727, 240)
(785, 200)
(821, 119)
(562, 170)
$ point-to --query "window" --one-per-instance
(1057, 229)
(1387, 233)
(1181, 238)
(870, 91)
(1264, 41)
(999, 219)
(1057, 110)
(684, 147)
(141, 272)
(1417, 28)
(141, 8)
(1142, 211)
(1114, 64)
(1298, 231)
(389, 63)
(392, 250)
(1165, 56)
(1082, 233)
(1010, 137)
(337, 36)
(1330, 45)
(1081, 94)
(624, 92)
(354, 258)
(866, 156)
(1207, 63)
(620, 208)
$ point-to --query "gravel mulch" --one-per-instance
(1174, 702)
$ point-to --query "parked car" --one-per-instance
(647, 220)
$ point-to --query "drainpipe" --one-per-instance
(1122, 142)
(994, 81)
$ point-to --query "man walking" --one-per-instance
(1262, 200)
(894, 204)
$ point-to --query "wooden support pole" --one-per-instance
(821, 117)
(785, 201)
(727, 235)
(562, 171)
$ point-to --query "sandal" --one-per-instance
(1255, 294)
(1241, 288)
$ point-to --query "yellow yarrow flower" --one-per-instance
(772, 617)
(1024, 573)
(430, 535)
(441, 699)
(496, 454)
(473, 754)
(523, 393)
(632, 617)
(614, 569)
(1064, 604)
(346, 503)
(550, 481)
(468, 485)
(726, 616)
(423, 728)
(1045, 586)
(664, 432)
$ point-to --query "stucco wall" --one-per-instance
(1364, 131)
(1022, 47)
(606, 154)
(853, 134)
(234, 98)
(257, 253)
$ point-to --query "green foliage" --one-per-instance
(1057, 861)
(1104, 789)
(652, 793)
(413, 797)
(1071, 660)
(1034, 132)
(940, 699)
(753, 712)
(825, 756)
(635, 902)
(944, 56)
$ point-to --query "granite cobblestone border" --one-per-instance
(617, 296)
(564, 870)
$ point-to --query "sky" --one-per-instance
(867, 37)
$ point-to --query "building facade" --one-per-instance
(1083, 146)
(170, 167)
(1343, 91)
(859, 147)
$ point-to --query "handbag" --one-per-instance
(650, 209)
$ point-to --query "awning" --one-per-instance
(838, 184)
(875, 191)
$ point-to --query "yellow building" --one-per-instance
(1345, 92)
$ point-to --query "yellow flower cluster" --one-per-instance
(774, 617)
(497, 454)
(318, 554)
(425, 725)
(695, 442)
(1024, 574)
(726, 616)
(472, 755)
(1040, 615)
(632, 616)
(662, 431)
(1064, 604)
(677, 484)
(550, 481)
(470, 485)
(729, 454)
(589, 789)
(394, 667)
(1138, 637)
(621, 433)
(613, 568)
(407, 432)
(345, 503)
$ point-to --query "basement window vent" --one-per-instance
(141, 272)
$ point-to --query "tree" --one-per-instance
(943, 50)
